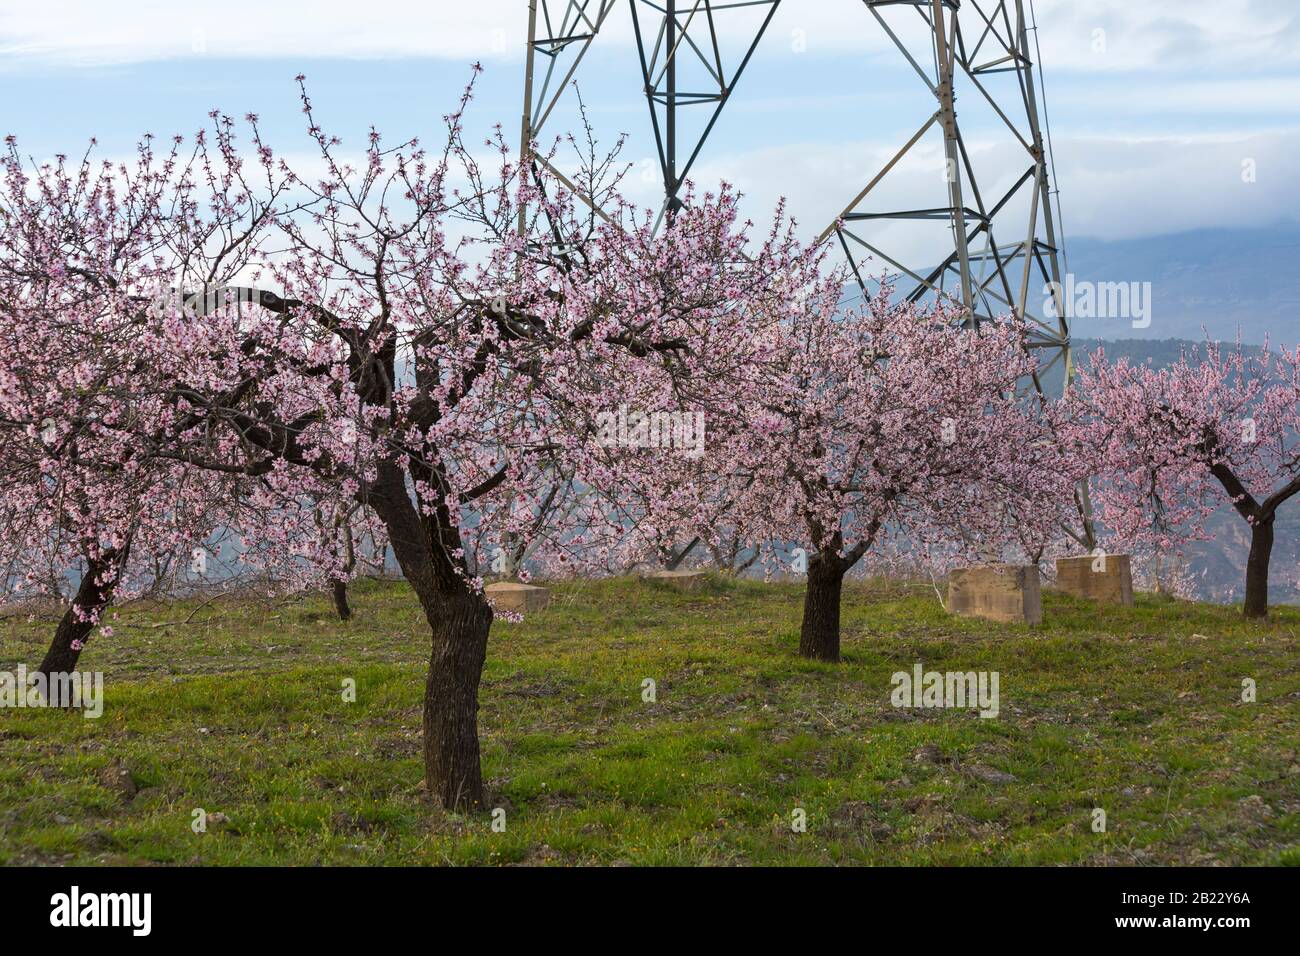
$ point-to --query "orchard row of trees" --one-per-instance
(414, 349)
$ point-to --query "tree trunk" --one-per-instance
(340, 589)
(459, 621)
(340, 585)
(1261, 548)
(819, 638)
(451, 751)
(672, 562)
(62, 657)
(93, 597)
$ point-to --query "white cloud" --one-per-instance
(1274, 96)
(1111, 187)
(1149, 34)
(1127, 188)
(91, 32)
(1154, 34)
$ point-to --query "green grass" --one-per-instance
(240, 711)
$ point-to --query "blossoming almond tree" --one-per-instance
(397, 344)
(94, 501)
(1171, 445)
(83, 508)
(886, 420)
(86, 508)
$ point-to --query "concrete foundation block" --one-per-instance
(681, 580)
(1106, 578)
(513, 596)
(997, 592)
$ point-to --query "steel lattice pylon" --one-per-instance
(1003, 249)
(967, 44)
(680, 58)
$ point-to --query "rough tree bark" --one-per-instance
(1260, 516)
(1261, 548)
(340, 591)
(339, 587)
(819, 638)
(459, 621)
(451, 750)
(94, 595)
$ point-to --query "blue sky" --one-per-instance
(1154, 105)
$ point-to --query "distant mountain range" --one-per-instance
(1217, 279)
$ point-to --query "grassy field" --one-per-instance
(240, 712)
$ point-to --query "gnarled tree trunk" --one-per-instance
(1261, 549)
(1260, 516)
(339, 586)
(340, 592)
(819, 638)
(452, 767)
(94, 595)
(459, 620)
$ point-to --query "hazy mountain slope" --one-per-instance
(1220, 279)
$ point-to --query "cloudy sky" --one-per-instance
(1156, 106)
